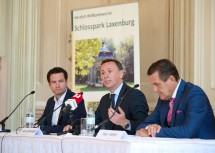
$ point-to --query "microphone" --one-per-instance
(115, 110)
(5, 119)
(40, 121)
(65, 109)
(72, 104)
(136, 86)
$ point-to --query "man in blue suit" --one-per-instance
(58, 120)
(183, 109)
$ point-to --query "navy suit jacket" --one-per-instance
(192, 115)
(64, 119)
(134, 105)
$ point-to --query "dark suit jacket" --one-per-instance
(134, 105)
(192, 115)
(63, 120)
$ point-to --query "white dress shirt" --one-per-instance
(56, 113)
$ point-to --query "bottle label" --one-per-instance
(90, 120)
(29, 119)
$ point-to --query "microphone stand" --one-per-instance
(40, 122)
(75, 129)
(115, 110)
(70, 118)
(5, 119)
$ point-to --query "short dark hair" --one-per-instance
(165, 68)
(118, 64)
(57, 70)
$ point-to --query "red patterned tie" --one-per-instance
(169, 115)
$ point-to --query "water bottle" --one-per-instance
(29, 119)
(90, 122)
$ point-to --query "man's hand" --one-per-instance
(67, 128)
(142, 132)
(118, 118)
(153, 129)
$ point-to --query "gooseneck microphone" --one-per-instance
(115, 110)
(5, 119)
(136, 86)
(40, 121)
(70, 104)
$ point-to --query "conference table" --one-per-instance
(17, 143)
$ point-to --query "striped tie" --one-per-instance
(169, 115)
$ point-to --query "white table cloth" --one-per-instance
(170, 145)
(81, 144)
(14, 143)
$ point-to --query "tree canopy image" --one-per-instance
(85, 52)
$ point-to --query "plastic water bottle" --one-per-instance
(90, 122)
(29, 119)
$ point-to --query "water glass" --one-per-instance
(83, 126)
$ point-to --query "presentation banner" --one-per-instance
(100, 33)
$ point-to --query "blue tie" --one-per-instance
(112, 101)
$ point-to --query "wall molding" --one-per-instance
(199, 45)
(212, 44)
(2, 28)
(183, 13)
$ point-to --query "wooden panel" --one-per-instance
(38, 112)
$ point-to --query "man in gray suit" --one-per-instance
(126, 107)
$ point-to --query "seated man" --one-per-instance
(183, 109)
(130, 103)
(57, 121)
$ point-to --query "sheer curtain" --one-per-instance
(18, 63)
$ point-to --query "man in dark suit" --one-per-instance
(59, 120)
(131, 103)
(183, 109)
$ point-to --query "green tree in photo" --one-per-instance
(85, 52)
(125, 54)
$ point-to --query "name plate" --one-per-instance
(112, 134)
(31, 131)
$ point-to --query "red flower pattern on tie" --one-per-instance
(169, 115)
